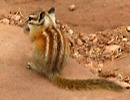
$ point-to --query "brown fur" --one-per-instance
(50, 49)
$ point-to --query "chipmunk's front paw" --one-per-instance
(29, 65)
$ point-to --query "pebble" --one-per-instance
(128, 28)
(90, 64)
(76, 54)
(119, 76)
(92, 37)
(5, 21)
(70, 31)
(125, 39)
(81, 34)
(95, 40)
(79, 42)
(62, 26)
(85, 38)
(57, 21)
(16, 17)
(112, 48)
(72, 7)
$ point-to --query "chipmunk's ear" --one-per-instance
(52, 10)
(52, 15)
(41, 16)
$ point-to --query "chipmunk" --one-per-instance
(50, 51)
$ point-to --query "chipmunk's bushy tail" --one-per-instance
(88, 84)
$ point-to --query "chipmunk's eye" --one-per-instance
(30, 18)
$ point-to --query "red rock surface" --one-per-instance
(89, 16)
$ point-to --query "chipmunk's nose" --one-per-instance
(26, 29)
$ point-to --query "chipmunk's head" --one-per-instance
(40, 20)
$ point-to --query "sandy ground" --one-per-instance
(19, 83)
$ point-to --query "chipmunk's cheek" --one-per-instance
(26, 29)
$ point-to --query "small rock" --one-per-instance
(79, 42)
(76, 54)
(67, 27)
(70, 31)
(124, 39)
(99, 70)
(5, 21)
(72, 7)
(112, 48)
(95, 40)
(57, 21)
(62, 26)
(92, 37)
(16, 17)
(119, 76)
(128, 28)
(90, 64)
(85, 38)
(81, 34)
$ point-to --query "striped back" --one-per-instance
(50, 46)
